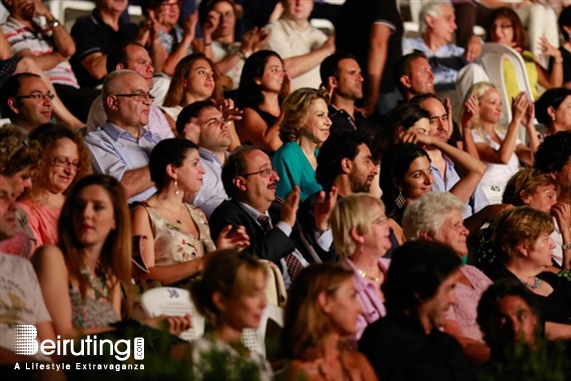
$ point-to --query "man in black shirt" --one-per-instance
(408, 344)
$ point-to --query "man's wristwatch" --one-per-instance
(567, 246)
(52, 24)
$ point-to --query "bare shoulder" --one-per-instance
(49, 258)
(297, 370)
(359, 366)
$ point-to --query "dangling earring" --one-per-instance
(553, 118)
(176, 187)
(400, 200)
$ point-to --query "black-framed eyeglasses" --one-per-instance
(139, 97)
(64, 162)
(266, 172)
(37, 96)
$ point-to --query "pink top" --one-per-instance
(465, 311)
(43, 221)
(373, 307)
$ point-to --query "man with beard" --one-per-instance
(343, 79)
(345, 164)
(275, 235)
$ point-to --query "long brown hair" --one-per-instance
(305, 324)
(115, 257)
(175, 93)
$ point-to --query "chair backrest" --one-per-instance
(492, 59)
(172, 301)
(255, 339)
(275, 291)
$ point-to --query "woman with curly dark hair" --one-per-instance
(263, 86)
(65, 160)
(304, 128)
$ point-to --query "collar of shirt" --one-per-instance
(253, 212)
(116, 132)
(211, 156)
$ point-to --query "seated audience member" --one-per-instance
(523, 244)
(177, 234)
(344, 166)
(14, 65)
(554, 157)
(321, 312)
(343, 79)
(230, 295)
(264, 84)
(166, 39)
(408, 343)
(552, 110)
(301, 46)
(449, 62)
(92, 261)
(64, 161)
(213, 138)
(443, 164)
(305, 126)
(564, 22)
(374, 36)
(132, 56)
(219, 31)
(510, 319)
(21, 297)
(501, 150)
(195, 79)
(506, 28)
(437, 217)
(19, 159)
(27, 101)
(94, 36)
(250, 182)
(405, 117)
(121, 147)
(414, 75)
(361, 234)
(50, 46)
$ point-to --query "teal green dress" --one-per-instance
(293, 169)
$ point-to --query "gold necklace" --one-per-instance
(367, 276)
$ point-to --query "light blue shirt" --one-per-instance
(477, 201)
(442, 74)
(114, 151)
(211, 193)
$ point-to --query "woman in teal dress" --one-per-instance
(304, 128)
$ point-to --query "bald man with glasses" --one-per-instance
(121, 147)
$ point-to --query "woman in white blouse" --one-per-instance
(500, 149)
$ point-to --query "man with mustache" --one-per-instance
(122, 146)
(275, 235)
(342, 77)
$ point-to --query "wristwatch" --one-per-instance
(567, 246)
(52, 24)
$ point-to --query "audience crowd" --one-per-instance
(336, 203)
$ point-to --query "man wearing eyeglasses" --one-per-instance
(202, 123)
(250, 181)
(122, 146)
(26, 100)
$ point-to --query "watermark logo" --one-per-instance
(26, 344)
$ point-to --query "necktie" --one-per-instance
(294, 265)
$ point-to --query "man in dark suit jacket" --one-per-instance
(250, 182)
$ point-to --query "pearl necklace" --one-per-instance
(536, 283)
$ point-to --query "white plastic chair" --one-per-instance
(323, 25)
(492, 59)
(173, 301)
(255, 339)
(275, 291)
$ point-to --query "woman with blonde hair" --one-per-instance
(65, 160)
(321, 312)
(361, 235)
(500, 150)
(304, 128)
(19, 158)
(231, 296)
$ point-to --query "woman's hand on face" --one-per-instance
(471, 111)
(238, 239)
(519, 106)
(211, 23)
(547, 49)
(562, 213)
